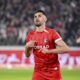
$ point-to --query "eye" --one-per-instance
(35, 16)
(39, 15)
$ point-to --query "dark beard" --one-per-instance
(37, 25)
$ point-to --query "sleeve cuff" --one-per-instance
(57, 39)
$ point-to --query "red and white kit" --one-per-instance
(46, 65)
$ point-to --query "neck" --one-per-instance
(40, 29)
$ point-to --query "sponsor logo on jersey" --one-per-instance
(40, 47)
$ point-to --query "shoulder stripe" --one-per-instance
(57, 39)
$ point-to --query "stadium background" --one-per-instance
(16, 20)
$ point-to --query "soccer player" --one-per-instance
(43, 41)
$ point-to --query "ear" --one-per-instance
(45, 18)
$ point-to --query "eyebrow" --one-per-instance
(38, 15)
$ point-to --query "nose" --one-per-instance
(37, 20)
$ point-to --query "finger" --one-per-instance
(43, 51)
(33, 41)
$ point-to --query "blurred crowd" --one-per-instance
(16, 19)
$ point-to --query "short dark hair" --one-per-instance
(41, 11)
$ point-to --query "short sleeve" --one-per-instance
(28, 37)
(56, 36)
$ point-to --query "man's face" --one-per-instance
(39, 19)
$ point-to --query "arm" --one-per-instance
(62, 47)
(27, 51)
(28, 47)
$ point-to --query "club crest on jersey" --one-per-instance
(45, 40)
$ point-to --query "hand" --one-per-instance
(45, 50)
(30, 43)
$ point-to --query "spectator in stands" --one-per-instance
(64, 14)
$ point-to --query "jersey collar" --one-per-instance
(45, 30)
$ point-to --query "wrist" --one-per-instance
(27, 47)
(50, 51)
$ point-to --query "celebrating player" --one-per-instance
(43, 41)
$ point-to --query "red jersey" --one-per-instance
(46, 38)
